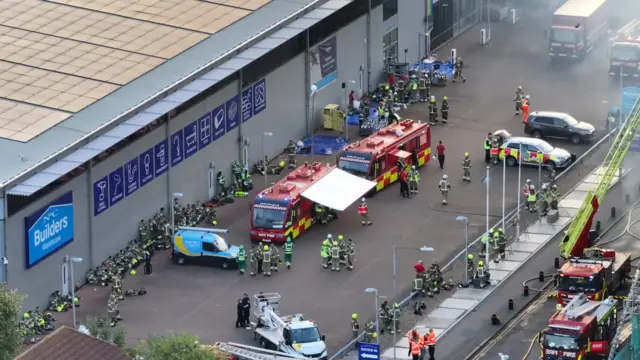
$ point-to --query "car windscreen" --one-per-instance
(268, 217)
(299, 336)
(560, 342)
(625, 53)
(545, 147)
(576, 284)
(564, 36)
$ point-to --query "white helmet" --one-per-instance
(362, 200)
(329, 236)
(519, 87)
(444, 177)
(544, 186)
(413, 167)
(528, 181)
(554, 186)
(526, 97)
(533, 187)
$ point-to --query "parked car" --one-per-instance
(532, 151)
(553, 124)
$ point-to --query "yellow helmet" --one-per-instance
(335, 243)
(470, 256)
(500, 230)
(481, 263)
(354, 316)
(490, 231)
(374, 335)
(340, 237)
(133, 273)
(266, 248)
(466, 154)
(446, 98)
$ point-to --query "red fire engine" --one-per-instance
(377, 157)
(281, 210)
(597, 274)
(624, 55)
(583, 329)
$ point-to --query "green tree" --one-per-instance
(12, 337)
(99, 329)
(175, 347)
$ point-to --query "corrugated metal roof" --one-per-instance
(21, 157)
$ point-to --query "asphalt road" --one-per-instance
(202, 300)
(515, 342)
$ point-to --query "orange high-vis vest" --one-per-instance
(422, 342)
(431, 339)
(525, 111)
(413, 334)
(363, 210)
(415, 348)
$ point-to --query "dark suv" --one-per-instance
(541, 124)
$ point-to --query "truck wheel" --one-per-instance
(225, 265)
(511, 161)
(180, 260)
(264, 343)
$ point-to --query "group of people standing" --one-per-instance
(243, 312)
(420, 345)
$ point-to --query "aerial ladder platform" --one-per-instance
(577, 236)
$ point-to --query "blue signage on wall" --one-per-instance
(204, 128)
(132, 176)
(116, 186)
(170, 152)
(177, 146)
(233, 112)
(218, 122)
(247, 104)
(259, 97)
(368, 351)
(49, 229)
(146, 167)
(190, 139)
(161, 156)
(100, 196)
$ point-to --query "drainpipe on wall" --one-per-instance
(167, 130)
(3, 237)
(307, 86)
(368, 41)
(90, 212)
(240, 132)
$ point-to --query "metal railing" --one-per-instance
(510, 228)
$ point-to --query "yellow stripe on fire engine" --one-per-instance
(423, 156)
(385, 176)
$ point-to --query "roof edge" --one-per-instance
(126, 115)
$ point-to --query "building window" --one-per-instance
(389, 9)
(390, 45)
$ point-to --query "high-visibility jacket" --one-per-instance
(532, 196)
(422, 342)
(485, 238)
(413, 334)
(415, 348)
(431, 339)
(487, 144)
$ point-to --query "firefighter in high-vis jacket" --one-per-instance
(518, 99)
(544, 200)
(433, 111)
(351, 254)
(320, 214)
(444, 187)
(414, 180)
(423, 87)
(495, 150)
(525, 192)
(532, 199)
(444, 109)
(363, 210)
(466, 168)
(253, 260)
(266, 260)
(335, 256)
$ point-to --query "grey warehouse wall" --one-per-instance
(45, 277)
(412, 13)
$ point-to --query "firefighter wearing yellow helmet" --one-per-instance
(335, 256)
(355, 326)
(444, 109)
(466, 167)
(266, 260)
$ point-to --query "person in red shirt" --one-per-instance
(404, 184)
(440, 149)
(419, 267)
(352, 98)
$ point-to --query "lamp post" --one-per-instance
(466, 244)
(427, 45)
(395, 295)
(374, 291)
(264, 135)
(314, 90)
(70, 260)
(346, 107)
(172, 212)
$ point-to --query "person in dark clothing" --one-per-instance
(404, 184)
(239, 314)
(147, 264)
(440, 150)
(414, 158)
(246, 310)
(487, 148)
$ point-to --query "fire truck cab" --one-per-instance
(597, 274)
(288, 207)
(380, 156)
(624, 57)
(584, 329)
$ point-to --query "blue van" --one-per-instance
(203, 246)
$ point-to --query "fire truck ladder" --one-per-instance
(246, 352)
(630, 308)
(631, 30)
(611, 165)
(579, 306)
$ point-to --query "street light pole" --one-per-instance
(466, 244)
(375, 293)
(486, 255)
(70, 260)
(346, 107)
(395, 293)
(264, 135)
(519, 191)
(314, 90)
